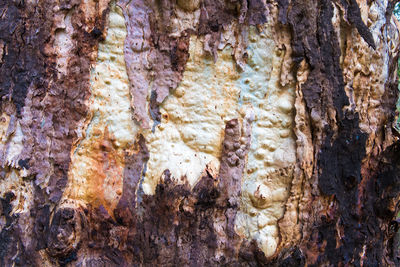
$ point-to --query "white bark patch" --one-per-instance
(63, 43)
(4, 122)
(188, 141)
(96, 171)
(15, 146)
(190, 135)
(271, 158)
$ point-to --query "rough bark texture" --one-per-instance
(198, 133)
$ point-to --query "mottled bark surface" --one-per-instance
(198, 133)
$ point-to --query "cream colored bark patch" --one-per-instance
(15, 146)
(188, 141)
(63, 42)
(189, 138)
(271, 158)
(4, 122)
(96, 171)
(11, 142)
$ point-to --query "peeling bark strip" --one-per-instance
(345, 190)
(156, 48)
(353, 16)
(154, 60)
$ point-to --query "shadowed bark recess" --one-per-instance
(339, 57)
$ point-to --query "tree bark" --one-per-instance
(199, 133)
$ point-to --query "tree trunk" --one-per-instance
(198, 133)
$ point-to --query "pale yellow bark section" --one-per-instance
(272, 154)
(96, 171)
(189, 138)
(188, 141)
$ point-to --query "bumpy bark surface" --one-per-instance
(198, 133)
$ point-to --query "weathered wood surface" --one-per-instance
(198, 133)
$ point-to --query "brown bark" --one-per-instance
(106, 120)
